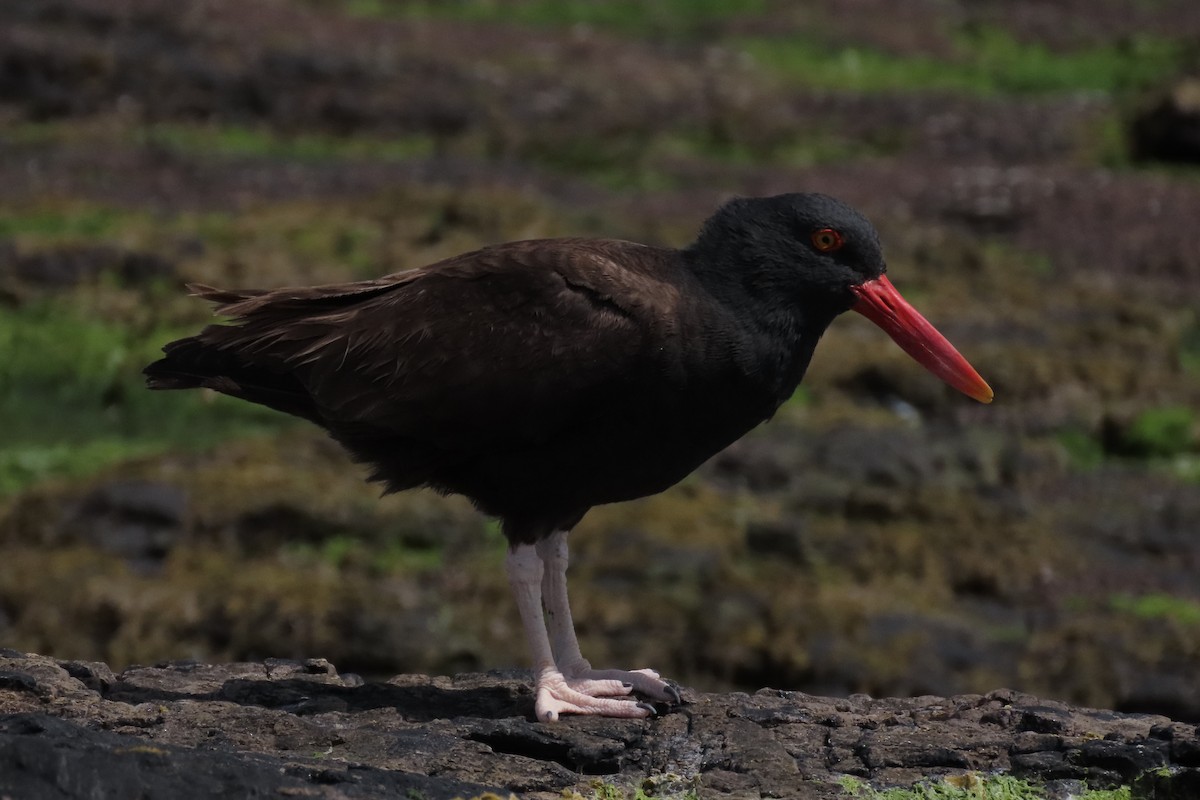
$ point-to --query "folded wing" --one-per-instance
(509, 345)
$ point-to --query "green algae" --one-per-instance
(970, 786)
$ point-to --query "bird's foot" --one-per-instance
(646, 682)
(588, 695)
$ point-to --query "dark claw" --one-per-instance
(673, 690)
(628, 686)
(649, 708)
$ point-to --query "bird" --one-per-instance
(540, 378)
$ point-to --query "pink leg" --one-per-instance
(578, 671)
(554, 695)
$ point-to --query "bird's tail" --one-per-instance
(217, 359)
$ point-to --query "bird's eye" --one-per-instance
(827, 240)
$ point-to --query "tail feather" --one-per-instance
(222, 297)
(261, 356)
(296, 301)
(200, 362)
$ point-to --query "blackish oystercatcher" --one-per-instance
(541, 378)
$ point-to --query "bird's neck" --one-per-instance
(778, 327)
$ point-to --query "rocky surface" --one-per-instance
(73, 729)
(1170, 129)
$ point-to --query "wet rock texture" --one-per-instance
(73, 729)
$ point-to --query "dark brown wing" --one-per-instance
(508, 344)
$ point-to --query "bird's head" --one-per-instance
(827, 255)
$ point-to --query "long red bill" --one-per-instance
(879, 302)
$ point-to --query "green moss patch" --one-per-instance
(676, 18)
(1158, 606)
(988, 61)
(73, 389)
(971, 787)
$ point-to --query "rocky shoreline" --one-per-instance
(74, 729)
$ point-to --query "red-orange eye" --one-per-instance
(827, 240)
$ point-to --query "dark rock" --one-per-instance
(1128, 760)
(1168, 785)
(1163, 732)
(66, 266)
(184, 730)
(48, 757)
(1170, 129)
(137, 520)
(1043, 765)
(782, 539)
(92, 674)
(1045, 720)
(17, 681)
(1186, 750)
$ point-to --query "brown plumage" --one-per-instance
(501, 374)
(541, 378)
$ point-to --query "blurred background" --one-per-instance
(1026, 162)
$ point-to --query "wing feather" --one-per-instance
(508, 344)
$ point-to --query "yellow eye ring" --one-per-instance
(827, 240)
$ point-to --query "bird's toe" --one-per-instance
(643, 682)
(556, 696)
(601, 688)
